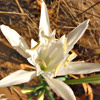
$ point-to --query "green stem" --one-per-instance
(40, 79)
(49, 94)
(90, 79)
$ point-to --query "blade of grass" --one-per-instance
(49, 94)
(90, 79)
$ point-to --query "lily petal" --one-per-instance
(60, 88)
(82, 68)
(18, 77)
(30, 60)
(53, 33)
(76, 34)
(33, 43)
(55, 53)
(15, 40)
(78, 68)
(44, 27)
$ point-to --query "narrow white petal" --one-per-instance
(32, 61)
(82, 68)
(76, 34)
(18, 77)
(15, 40)
(62, 40)
(78, 68)
(44, 27)
(55, 53)
(33, 43)
(60, 88)
(55, 47)
(53, 33)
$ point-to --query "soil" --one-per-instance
(65, 15)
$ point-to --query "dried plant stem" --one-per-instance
(88, 9)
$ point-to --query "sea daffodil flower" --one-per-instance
(50, 56)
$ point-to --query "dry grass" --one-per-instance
(65, 15)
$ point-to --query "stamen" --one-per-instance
(56, 69)
(48, 37)
(69, 57)
(42, 62)
(36, 46)
(65, 44)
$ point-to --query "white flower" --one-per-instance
(50, 56)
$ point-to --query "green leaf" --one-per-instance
(49, 94)
(19, 85)
(61, 78)
(27, 90)
(31, 96)
(40, 95)
(40, 79)
(89, 79)
(35, 91)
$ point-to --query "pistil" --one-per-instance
(42, 62)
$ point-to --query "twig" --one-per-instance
(88, 9)
(93, 37)
(71, 13)
(21, 10)
(15, 13)
(85, 12)
(4, 12)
